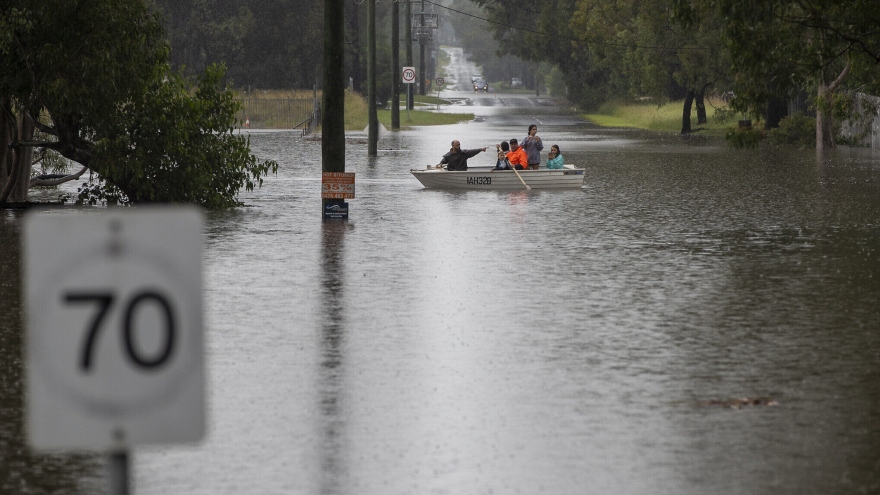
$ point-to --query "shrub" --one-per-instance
(744, 137)
(797, 129)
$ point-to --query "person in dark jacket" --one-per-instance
(457, 158)
(533, 145)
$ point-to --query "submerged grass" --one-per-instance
(279, 114)
(356, 113)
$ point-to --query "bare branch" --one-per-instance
(54, 182)
(841, 77)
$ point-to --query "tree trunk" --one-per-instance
(824, 120)
(777, 109)
(25, 164)
(700, 102)
(824, 133)
(686, 112)
(5, 136)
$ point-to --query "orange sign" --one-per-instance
(337, 185)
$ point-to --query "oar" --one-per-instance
(513, 167)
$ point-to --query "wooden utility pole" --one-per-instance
(409, 55)
(422, 42)
(395, 62)
(333, 118)
(372, 118)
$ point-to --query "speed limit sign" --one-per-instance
(114, 328)
(409, 75)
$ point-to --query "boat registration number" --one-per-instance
(479, 180)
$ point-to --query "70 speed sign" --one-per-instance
(114, 328)
(409, 75)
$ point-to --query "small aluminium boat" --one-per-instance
(486, 178)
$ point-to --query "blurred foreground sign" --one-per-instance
(114, 328)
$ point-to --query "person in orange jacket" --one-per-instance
(517, 156)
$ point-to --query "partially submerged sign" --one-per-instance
(337, 185)
(114, 328)
(336, 210)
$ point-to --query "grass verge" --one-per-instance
(356, 113)
(662, 118)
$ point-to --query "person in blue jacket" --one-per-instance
(554, 158)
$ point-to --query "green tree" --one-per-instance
(616, 48)
(646, 53)
(779, 47)
(99, 74)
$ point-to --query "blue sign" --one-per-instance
(336, 210)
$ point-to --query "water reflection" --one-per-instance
(331, 377)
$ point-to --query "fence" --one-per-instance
(279, 113)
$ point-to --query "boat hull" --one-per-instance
(485, 178)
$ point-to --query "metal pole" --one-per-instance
(372, 118)
(409, 55)
(422, 40)
(117, 471)
(395, 61)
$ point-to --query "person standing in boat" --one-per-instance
(533, 146)
(457, 158)
(554, 158)
(517, 156)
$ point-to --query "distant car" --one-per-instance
(475, 78)
(515, 82)
(481, 84)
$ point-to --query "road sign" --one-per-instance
(440, 81)
(114, 328)
(409, 75)
(337, 185)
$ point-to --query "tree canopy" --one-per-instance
(780, 47)
(94, 77)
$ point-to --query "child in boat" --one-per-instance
(554, 158)
(502, 163)
(533, 145)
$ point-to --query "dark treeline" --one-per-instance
(264, 44)
(273, 44)
(764, 52)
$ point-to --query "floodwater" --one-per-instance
(565, 342)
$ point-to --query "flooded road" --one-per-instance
(560, 342)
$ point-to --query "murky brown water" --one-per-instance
(567, 342)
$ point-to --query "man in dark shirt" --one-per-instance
(456, 159)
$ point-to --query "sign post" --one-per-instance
(409, 77)
(439, 82)
(337, 187)
(114, 316)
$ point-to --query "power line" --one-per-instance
(552, 35)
